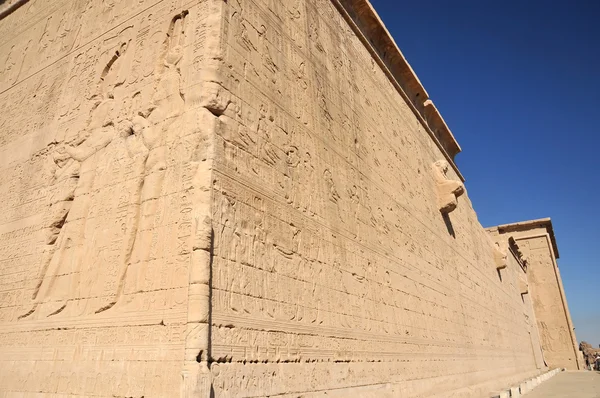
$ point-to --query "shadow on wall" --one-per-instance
(449, 225)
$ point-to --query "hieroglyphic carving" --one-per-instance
(147, 137)
(58, 35)
(448, 190)
(71, 208)
(144, 137)
(281, 272)
(326, 259)
(118, 208)
(12, 66)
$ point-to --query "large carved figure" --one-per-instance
(448, 190)
(152, 125)
(60, 278)
(77, 268)
(500, 256)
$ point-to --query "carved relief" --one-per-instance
(146, 42)
(113, 143)
(325, 269)
(58, 36)
(59, 281)
(448, 190)
(500, 256)
(145, 138)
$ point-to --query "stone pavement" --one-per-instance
(581, 384)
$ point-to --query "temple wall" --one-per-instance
(238, 198)
(558, 340)
(104, 184)
(519, 279)
(333, 269)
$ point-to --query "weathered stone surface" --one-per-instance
(106, 155)
(537, 245)
(239, 198)
(500, 255)
(448, 190)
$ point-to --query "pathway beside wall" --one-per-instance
(569, 384)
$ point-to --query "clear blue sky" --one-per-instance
(518, 82)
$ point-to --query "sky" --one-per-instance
(518, 83)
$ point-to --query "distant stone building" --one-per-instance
(590, 354)
(247, 198)
(536, 242)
